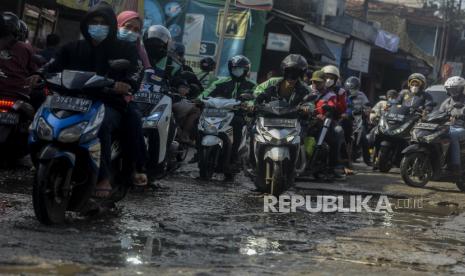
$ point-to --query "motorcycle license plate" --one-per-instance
(395, 117)
(426, 126)
(218, 113)
(7, 118)
(275, 122)
(70, 103)
(147, 97)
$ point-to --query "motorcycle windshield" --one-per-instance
(220, 103)
(75, 80)
(398, 113)
(278, 108)
(437, 116)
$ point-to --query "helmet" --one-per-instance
(331, 69)
(352, 83)
(417, 77)
(392, 93)
(207, 64)
(12, 24)
(23, 33)
(158, 32)
(239, 62)
(455, 86)
(294, 61)
(178, 48)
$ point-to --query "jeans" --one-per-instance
(111, 123)
(457, 134)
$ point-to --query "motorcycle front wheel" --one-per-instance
(416, 169)
(208, 157)
(50, 200)
(384, 159)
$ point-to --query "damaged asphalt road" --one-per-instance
(193, 227)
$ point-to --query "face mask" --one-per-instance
(237, 72)
(125, 34)
(98, 32)
(392, 101)
(156, 54)
(414, 89)
(329, 82)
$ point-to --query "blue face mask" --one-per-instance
(98, 32)
(125, 34)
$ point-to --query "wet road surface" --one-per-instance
(208, 228)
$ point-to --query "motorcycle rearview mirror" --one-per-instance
(246, 97)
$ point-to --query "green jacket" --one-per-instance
(228, 88)
(270, 88)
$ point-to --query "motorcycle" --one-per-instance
(66, 150)
(16, 115)
(426, 158)
(393, 135)
(158, 123)
(216, 135)
(277, 147)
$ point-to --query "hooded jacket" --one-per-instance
(84, 56)
(421, 99)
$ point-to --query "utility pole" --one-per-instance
(365, 10)
(223, 27)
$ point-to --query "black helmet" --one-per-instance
(352, 83)
(156, 40)
(23, 33)
(12, 24)
(239, 62)
(207, 64)
(294, 66)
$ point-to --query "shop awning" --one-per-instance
(317, 46)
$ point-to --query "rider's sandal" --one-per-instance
(140, 180)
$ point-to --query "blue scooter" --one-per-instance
(66, 150)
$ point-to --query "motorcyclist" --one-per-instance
(289, 87)
(415, 97)
(16, 62)
(455, 106)
(93, 53)
(382, 105)
(207, 74)
(326, 106)
(232, 87)
(358, 105)
(156, 40)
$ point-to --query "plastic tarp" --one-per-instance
(387, 41)
(317, 46)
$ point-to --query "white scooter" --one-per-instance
(216, 136)
(158, 124)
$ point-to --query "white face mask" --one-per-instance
(329, 82)
(414, 89)
(237, 72)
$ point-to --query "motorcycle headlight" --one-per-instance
(93, 127)
(72, 133)
(44, 130)
(152, 120)
(210, 129)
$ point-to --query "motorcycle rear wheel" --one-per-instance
(416, 165)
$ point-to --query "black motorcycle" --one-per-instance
(16, 115)
(393, 136)
(426, 158)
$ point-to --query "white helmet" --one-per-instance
(331, 69)
(159, 32)
(455, 86)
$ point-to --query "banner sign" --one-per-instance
(278, 42)
(118, 5)
(262, 5)
(168, 13)
(360, 60)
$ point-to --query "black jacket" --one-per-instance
(421, 99)
(84, 56)
(270, 89)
